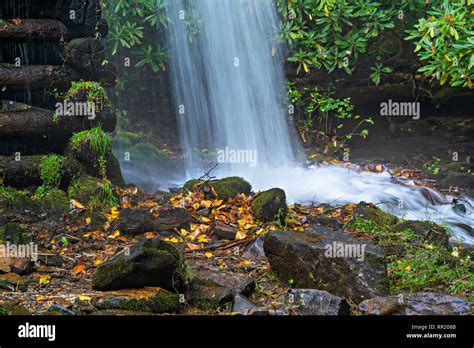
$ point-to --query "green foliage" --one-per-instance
(420, 265)
(131, 23)
(325, 113)
(50, 170)
(445, 43)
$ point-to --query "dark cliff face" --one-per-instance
(45, 45)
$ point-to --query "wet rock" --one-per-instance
(459, 180)
(426, 229)
(318, 302)
(223, 188)
(149, 263)
(211, 287)
(332, 223)
(255, 251)
(242, 305)
(421, 303)
(225, 232)
(50, 260)
(148, 299)
(267, 311)
(18, 265)
(370, 212)
(328, 260)
(270, 205)
(135, 221)
(57, 310)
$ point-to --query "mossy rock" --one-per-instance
(270, 205)
(13, 232)
(427, 230)
(90, 191)
(224, 188)
(124, 139)
(152, 300)
(91, 148)
(151, 262)
(370, 212)
(56, 202)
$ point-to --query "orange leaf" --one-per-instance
(77, 204)
(78, 269)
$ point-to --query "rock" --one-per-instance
(267, 311)
(135, 221)
(421, 303)
(149, 263)
(119, 312)
(318, 302)
(425, 229)
(12, 232)
(211, 287)
(18, 265)
(270, 205)
(456, 179)
(225, 232)
(148, 299)
(328, 260)
(242, 305)
(57, 310)
(332, 223)
(255, 251)
(370, 212)
(224, 188)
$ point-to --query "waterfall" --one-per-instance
(229, 93)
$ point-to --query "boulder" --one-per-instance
(223, 188)
(149, 263)
(425, 229)
(135, 220)
(370, 212)
(421, 303)
(148, 299)
(243, 306)
(328, 260)
(211, 287)
(317, 302)
(270, 205)
(255, 252)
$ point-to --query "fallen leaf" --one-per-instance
(78, 269)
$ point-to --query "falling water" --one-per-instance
(229, 92)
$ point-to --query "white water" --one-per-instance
(229, 90)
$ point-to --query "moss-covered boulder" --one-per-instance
(224, 188)
(93, 192)
(151, 262)
(270, 205)
(124, 139)
(91, 148)
(426, 229)
(14, 233)
(370, 212)
(149, 299)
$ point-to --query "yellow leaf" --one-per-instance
(326, 10)
(77, 204)
(84, 298)
(44, 279)
(240, 235)
(202, 239)
(184, 232)
(88, 220)
(217, 202)
(305, 67)
(429, 246)
(97, 262)
(205, 219)
(172, 240)
(41, 298)
(208, 255)
(408, 268)
(114, 234)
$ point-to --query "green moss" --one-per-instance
(147, 152)
(224, 188)
(163, 302)
(270, 205)
(50, 170)
(92, 192)
(93, 91)
(12, 232)
(124, 139)
(372, 213)
(106, 272)
(12, 198)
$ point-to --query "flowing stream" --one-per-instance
(229, 90)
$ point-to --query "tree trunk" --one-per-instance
(26, 30)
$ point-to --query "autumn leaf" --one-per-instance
(44, 279)
(77, 204)
(208, 255)
(88, 220)
(114, 234)
(17, 21)
(240, 235)
(78, 269)
(84, 298)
